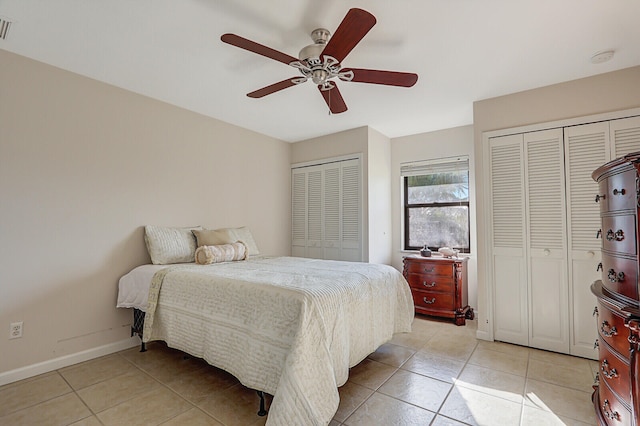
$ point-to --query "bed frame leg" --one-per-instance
(143, 348)
(262, 412)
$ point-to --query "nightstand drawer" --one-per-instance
(431, 268)
(430, 282)
(612, 330)
(433, 300)
(615, 371)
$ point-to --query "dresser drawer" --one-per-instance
(620, 275)
(614, 370)
(612, 330)
(433, 300)
(620, 191)
(431, 268)
(619, 233)
(431, 282)
(614, 410)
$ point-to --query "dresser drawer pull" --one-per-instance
(609, 373)
(426, 284)
(433, 268)
(618, 235)
(600, 197)
(612, 331)
(615, 278)
(429, 302)
(619, 191)
(611, 415)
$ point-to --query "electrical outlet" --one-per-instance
(15, 330)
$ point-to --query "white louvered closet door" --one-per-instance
(625, 136)
(326, 213)
(351, 212)
(586, 148)
(331, 208)
(548, 292)
(298, 212)
(314, 212)
(509, 267)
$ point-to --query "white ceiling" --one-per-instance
(462, 50)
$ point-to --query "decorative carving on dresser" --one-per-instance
(439, 286)
(616, 395)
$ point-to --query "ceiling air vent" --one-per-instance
(5, 24)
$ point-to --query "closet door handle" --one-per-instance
(599, 233)
(600, 197)
(599, 268)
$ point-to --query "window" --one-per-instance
(436, 204)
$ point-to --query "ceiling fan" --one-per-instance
(322, 61)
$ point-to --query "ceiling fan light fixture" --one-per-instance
(311, 51)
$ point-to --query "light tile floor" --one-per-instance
(438, 374)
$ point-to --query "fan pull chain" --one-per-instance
(329, 102)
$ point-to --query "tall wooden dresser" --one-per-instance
(616, 396)
(439, 286)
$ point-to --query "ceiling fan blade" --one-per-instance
(389, 78)
(334, 100)
(252, 46)
(275, 87)
(355, 25)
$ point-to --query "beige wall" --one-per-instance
(427, 146)
(603, 93)
(83, 167)
(379, 208)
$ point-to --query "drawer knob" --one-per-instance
(615, 278)
(617, 235)
(607, 330)
(619, 191)
(609, 373)
(611, 415)
(426, 284)
(429, 302)
(600, 197)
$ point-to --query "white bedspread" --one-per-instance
(291, 327)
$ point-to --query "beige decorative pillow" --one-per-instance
(206, 255)
(212, 237)
(170, 245)
(242, 234)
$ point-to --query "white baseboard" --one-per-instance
(65, 361)
(483, 335)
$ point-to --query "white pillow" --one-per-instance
(170, 245)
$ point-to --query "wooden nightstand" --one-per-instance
(439, 286)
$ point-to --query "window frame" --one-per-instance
(408, 206)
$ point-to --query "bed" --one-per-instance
(290, 327)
